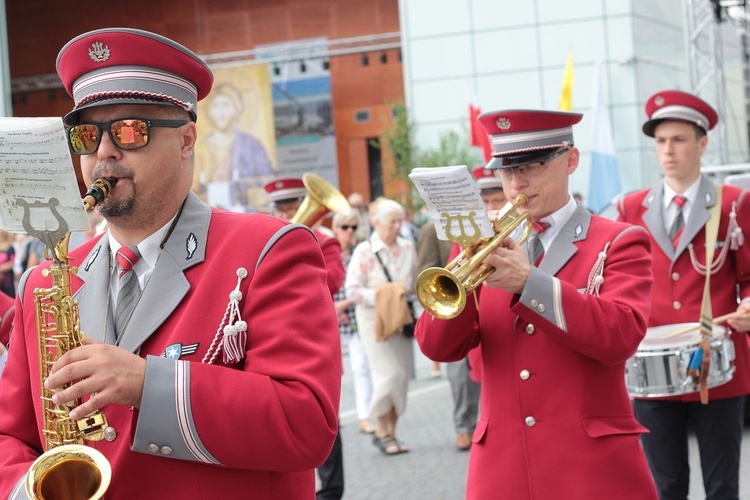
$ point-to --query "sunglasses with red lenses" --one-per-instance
(125, 133)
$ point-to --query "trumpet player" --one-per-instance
(556, 321)
(216, 380)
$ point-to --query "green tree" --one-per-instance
(454, 149)
(401, 155)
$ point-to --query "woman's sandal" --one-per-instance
(402, 448)
(387, 444)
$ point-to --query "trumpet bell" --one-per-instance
(440, 292)
(321, 199)
(68, 472)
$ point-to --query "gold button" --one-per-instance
(534, 302)
(166, 450)
(675, 276)
(677, 304)
(153, 448)
(110, 434)
(525, 374)
(530, 329)
(541, 308)
(530, 421)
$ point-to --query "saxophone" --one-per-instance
(68, 468)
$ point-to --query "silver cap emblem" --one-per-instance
(100, 53)
(503, 123)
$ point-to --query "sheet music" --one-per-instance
(452, 190)
(35, 166)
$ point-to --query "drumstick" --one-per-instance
(717, 321)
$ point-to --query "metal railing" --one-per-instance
(300, 50)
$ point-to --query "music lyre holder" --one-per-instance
(462, 238)
(50, 238)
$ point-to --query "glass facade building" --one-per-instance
(510, 54)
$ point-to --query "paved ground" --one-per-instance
(433, 469)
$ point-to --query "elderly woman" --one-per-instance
(345, 227)
(391, 359)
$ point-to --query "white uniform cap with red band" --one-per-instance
(282, 190)
(524, 136)
(131, 66)
(486, 179)
(677, 105)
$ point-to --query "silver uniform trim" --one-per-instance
(130, 74)
(276, 237)
(505, 144)
(682, 113)
(184, 418)
(557, 305)
(19, 490)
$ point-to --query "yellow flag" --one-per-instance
(566, 98)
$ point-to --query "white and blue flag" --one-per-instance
(604, 182)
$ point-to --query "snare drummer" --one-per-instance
(679, 122)
(556, 420)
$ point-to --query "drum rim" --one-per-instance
(656, 343)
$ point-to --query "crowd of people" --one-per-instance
(200, 321)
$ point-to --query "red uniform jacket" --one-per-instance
(556, 420)
(256, 428)
(678, 286)
(331, 249)
(7, 304)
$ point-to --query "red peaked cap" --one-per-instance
(288, 189)
(677, 105)
(131, 66)
(486, 179)
(523, 136)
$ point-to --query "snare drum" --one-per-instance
(660, 366)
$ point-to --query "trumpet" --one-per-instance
(443, 291)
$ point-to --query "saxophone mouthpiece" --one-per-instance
(98, 192)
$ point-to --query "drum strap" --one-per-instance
(707, 325)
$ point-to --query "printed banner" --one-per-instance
(303, 109)
(236, 149)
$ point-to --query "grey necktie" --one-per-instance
(130, 291)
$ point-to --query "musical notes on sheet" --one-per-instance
(35, 166)
(451, 193)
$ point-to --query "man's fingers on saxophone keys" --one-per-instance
(77, 390)
(88, 407)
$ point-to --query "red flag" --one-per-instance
(479, 136)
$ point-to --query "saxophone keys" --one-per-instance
(93, 427)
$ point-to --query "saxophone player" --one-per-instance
(216, 380)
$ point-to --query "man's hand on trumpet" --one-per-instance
(512, 267)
